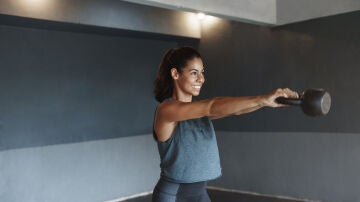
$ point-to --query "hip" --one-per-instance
(174, 192)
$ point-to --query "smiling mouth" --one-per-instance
(196, 87)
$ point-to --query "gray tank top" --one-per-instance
(191, 154)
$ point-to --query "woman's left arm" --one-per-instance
(253, 103)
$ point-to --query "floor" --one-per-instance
(221, 196)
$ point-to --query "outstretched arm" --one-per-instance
(174, 111)
(169, 113)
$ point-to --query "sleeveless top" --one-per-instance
(191, 154)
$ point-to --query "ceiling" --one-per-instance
(264, 12)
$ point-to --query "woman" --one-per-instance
(183, 129)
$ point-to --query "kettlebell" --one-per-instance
(313, 102)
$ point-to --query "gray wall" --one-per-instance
(244, 59)
(66, 94)
(282, 151)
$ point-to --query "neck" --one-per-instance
(180, 97)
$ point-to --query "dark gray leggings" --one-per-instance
(166, 191)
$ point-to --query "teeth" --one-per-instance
(197, 87)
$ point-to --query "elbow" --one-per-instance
(215, 107)
(211, 107)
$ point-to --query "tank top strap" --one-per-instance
(153, 129)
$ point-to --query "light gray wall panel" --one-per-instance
(290, 11)
(107, 13)
(91, 171)
(255, 11)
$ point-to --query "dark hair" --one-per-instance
(173, 58)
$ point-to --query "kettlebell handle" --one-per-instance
(289, 101)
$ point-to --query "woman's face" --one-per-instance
(191, 79)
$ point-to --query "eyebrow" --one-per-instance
(197, 70)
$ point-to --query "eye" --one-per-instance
(193, 73)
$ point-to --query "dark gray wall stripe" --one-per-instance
(61, 87)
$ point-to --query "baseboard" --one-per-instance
(258, 194)
(218, 189)
(130, 197)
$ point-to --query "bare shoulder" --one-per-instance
(169, 113)
(163, 129)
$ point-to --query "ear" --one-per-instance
(174, 73)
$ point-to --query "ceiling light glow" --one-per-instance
(201, 16)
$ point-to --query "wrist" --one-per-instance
(261, 101)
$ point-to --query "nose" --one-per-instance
(201, 78)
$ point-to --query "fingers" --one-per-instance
(280, 92)
(286, 92)
(291, 94)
